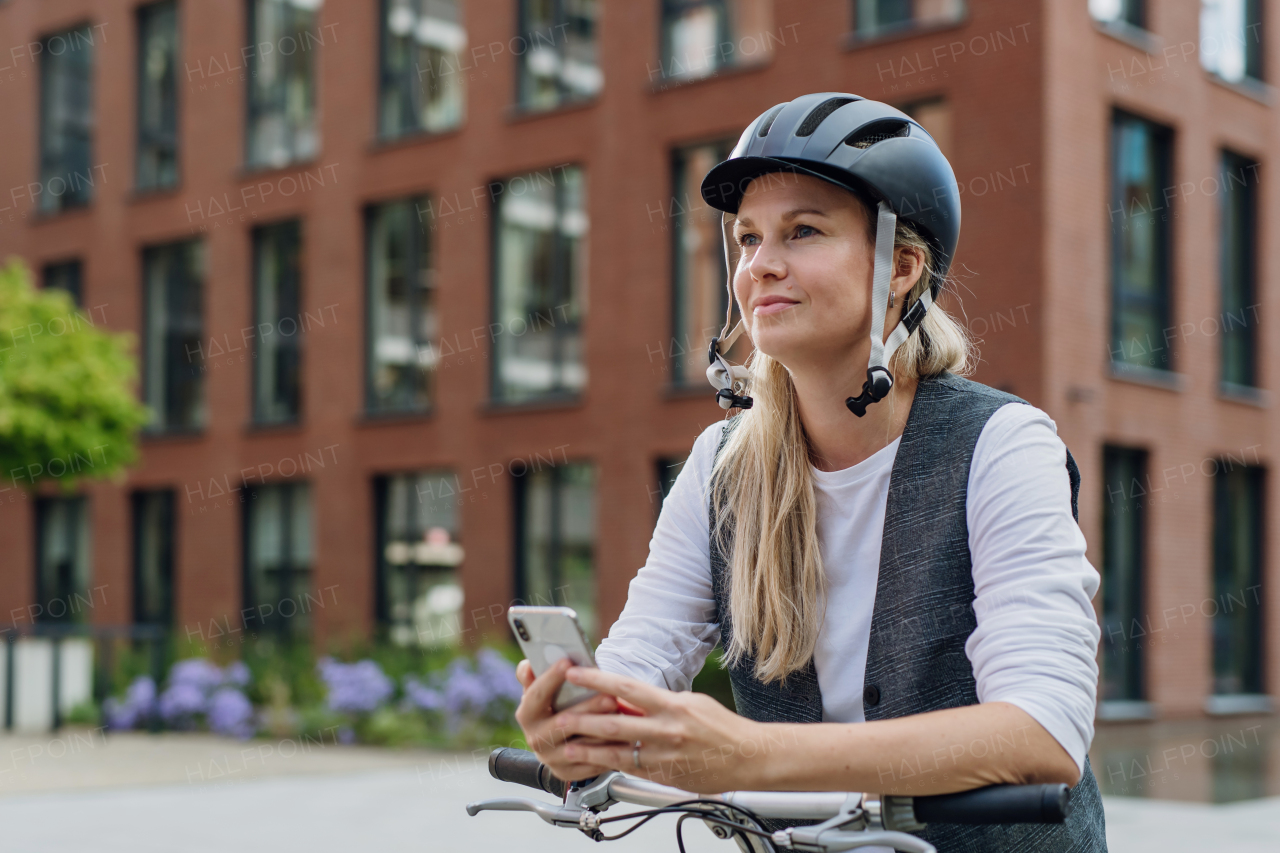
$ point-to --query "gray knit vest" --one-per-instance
(923, 613)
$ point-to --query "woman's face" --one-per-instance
(803, 280)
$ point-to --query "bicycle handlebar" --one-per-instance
(996, 804)
(524, 768)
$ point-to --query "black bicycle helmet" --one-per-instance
(866, 147)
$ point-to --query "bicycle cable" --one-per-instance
(683, 808)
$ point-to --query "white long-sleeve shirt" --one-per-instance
(1036, 636)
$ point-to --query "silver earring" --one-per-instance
(890, 298)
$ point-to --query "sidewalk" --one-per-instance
(136, 793)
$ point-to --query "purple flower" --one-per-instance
(464, 690)
(197, 673)
(424, 698)
(355, 687)
(237, 673)
(499, 675)
(230, 713)
(137, 705)
(181, 703)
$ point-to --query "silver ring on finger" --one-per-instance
(635, 754)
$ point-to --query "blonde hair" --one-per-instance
(764, 507)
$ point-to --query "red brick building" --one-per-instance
(420, 289)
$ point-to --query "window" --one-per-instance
(277, 307)
(1139, 214)
(540, 291)
(68, 276)
(555, 539)
(557, 61)
(278, 560)
(1131, 12)
(62, 560)
(173, 323)
(1239, 270)
(699, 293)
(66, 120)
(419, 597)
(1123, 574)
(153, 557)
(872, 18)
(422, 83)
(1231, 38)
(1237, 579)
(403, 326)
(282, 81)
(700, 37)
(157, 165)
(668, 468)
(934, 115)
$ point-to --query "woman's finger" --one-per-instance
(524, 674)
(613, 727)
(544, 687)
(646, 697)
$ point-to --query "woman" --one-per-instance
(906, 579)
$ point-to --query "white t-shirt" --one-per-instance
(1037, 634)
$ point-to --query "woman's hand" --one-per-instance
(543, 728)
(688, 740)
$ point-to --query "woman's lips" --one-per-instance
(773, 308)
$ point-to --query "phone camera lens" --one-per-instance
(524, 635)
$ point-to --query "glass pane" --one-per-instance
(174, 347)
(700, 292)
(1239, 264)
(1231, 38)
(157, 95)
(423, 87)
(1123, 570)
(66, 120)
(1237, 579)
(1139, 227)
(278, 574)
(66, 276)
(282, 93)
(1119, 11)
(62, 561)
(403, 327)
(420, 559)
(541, 287)
(277, 316)
(153, 558)
(557, 549)
(558, 60)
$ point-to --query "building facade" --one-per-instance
(420, 291)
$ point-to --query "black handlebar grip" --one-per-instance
(997, 804)
(523, 767)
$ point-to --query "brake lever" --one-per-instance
(554, 815)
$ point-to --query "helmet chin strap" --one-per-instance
(731, 380)
(879, 380)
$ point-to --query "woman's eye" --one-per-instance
(747, 239)
(805, 230)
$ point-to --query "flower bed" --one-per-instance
(468, 702)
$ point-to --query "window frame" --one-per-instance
(150, 358)
(140, 13)
(83, 545)
(561, 395)
(277, 625)
(523, 31)
(1248, 287)
(76, 263)
(167, 500)
(89, 123)
(1136, 461)
(1222, 551)
(419, 131)
(1165, 139)
(251, 110)
(418, 237)
(259, 235)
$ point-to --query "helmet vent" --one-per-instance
(768, 120)
(865, 137)
(819, 113)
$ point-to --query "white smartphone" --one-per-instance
(547, 634)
